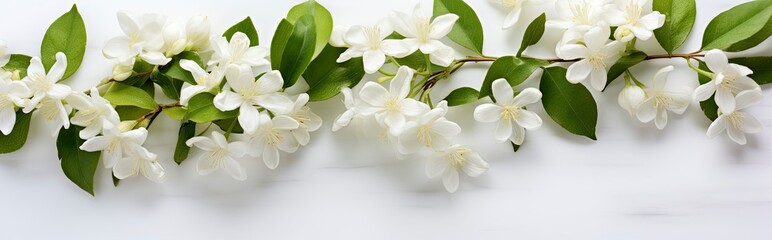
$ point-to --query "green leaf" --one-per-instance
(177, 113)
(78, 165)
(515, 70)
(121, 94)
(467, 31)
(298, 52)
(18, 62)
(709, 107)
(68, 35)
(18, 136)
(245, 26)
(322, 22)
(570, 105)
(169, 86)
(754, 40)
(115, 181)
(187, 131)
(623, 64)
(175, 71)
(679, 21)
(279, 42)
(462, 96)
(201, 109)
(416, 60)
(761, 66)
(533, 33)
(325, 77)
(128, 113)
(231, 124)
(515, 147)
(736, 25)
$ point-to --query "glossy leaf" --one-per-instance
(623, 64)
(679, 21)
(176, 113)
(533, 33)
(175, 71)
(462, 96)
(322, 22)
(298, 52)
(280, 38)
(570, 105)
(202, 110)
(18, 136)
(761, 66)
(325, 77)
(515, 70)
(170, 87)
(68, 35)
(130, 113)
(736, 25)
(245, 26)
(18, 62)
(121, 94)
(754, 40)
(187, 131)
(467, 31)
(78, 165)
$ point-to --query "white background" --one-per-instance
(634, 183)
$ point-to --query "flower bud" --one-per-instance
(624, 34)
(197, 33)
(122, 72)
(174, 40)
(126, 126)
(631, 97)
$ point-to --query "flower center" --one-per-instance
(633, 10)
(580, 13)
(662, 100)
(510, 113)
(237, 49)
(736, 119)
(392, 105)
(510, 3)
(425, 136)
(728, 83)
(457, 158)
(302, 116)
(273, 137)
(217, 156)
(49, 109)
(424, 28)
(40, 82)
(252, 91)
(5, 102)
(373, 35)
(598, 60)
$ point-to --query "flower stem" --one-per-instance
(698, 70)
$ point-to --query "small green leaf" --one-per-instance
(201, 109)
(761, 66)
(187, 131)
(231, 124)
(245, 26)
(170, 87)
(533, 33)
(467, 31)
(18, 136)
(754, 40)
(736, 25)
(121, 94)
(623, 64)
(128, 113)
(515, 147)
(322, 22)
(78, 165)
(709, 107)
(115, 181)
(570, 105)
(325, 77)
(679, 21)
(68, 35)
(176, 113)
(462, 96)
(299, 50)
(279, 42)
(416, 60)
(18, 62)
(515, 70)
(175, 71)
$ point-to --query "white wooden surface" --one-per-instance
(634, 183)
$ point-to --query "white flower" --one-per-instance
(4, 56)
(450, 161)
(248, 94)
(631, 97)
(47, 95)
(308, 120)
(630, 18)
(423, 33)
(730, 79)
(143, 38)
(509, 112)
(337, 36)
(659, 101)
(219, 154)
(12, 94)
(122, 72)
(391, 106)
(238, 51)
(515, 8)
(174, 40)
(197, 33)
(431, 130)
(369, 43)
(117, 142)
(735, 122)
(596, 53)
(577, 17)
(352, 110)
(205, 81)
(94, 113)
(273, 135)
(136, 164)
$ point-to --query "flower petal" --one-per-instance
(475, 165)
(661, 120)
(234, 169)
(227, 100)
(271, 157)
(373, 61)
(748, 98)
(526, 97)
(450, 180)
(518, 135)
(579, 71)
(373, 94)
(436, 167)
(725, 100)
(736, 135)
(442, 25)
(488, 112)
(126, 167)
(400, 84)
(504, 130)
(704, 91)
(717, 126)
(7, 120)
(716, 60)
(529, 120)
(502, 91)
